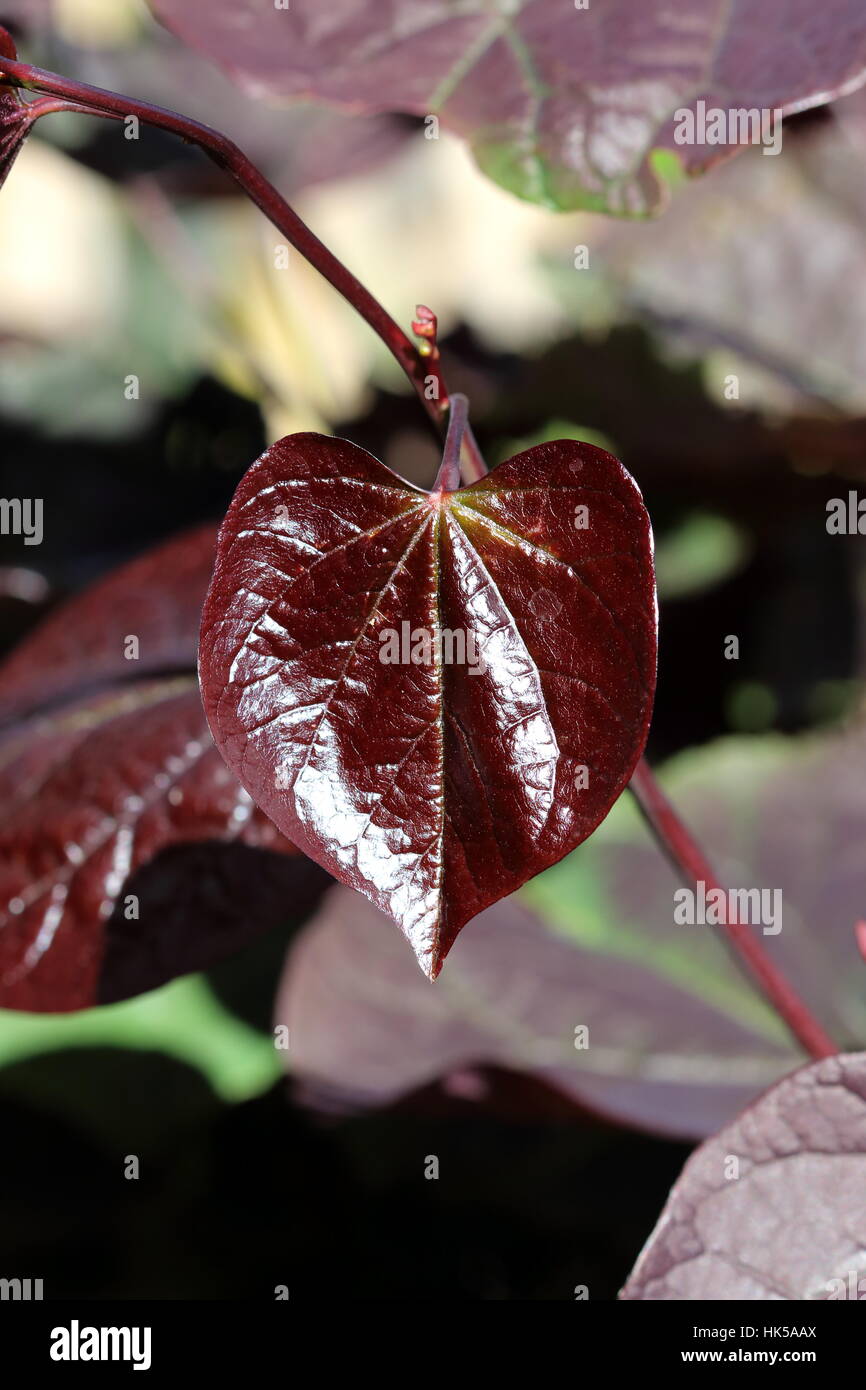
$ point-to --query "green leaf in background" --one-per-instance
(555, 429)
(702, 551)
(183, 1020)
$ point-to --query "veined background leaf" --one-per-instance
(155, 598)
(679, 1040)
(565, 106)
(122, 795)
(773, 1207)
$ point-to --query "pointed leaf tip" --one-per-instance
(434, 696)
(431, 963)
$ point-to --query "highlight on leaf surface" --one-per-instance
(434, 695)
(128, 852)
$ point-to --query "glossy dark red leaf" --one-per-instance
(98, 802)
(156, 598)
(433, 784)
(772, 1207)
(565, 106)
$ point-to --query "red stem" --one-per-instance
(473, 466)
(448, 477)
(688, 856)
(47, 106)
(423, 371)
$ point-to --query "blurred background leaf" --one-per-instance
(678, 1041)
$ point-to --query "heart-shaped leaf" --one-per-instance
(435, 695)
(566, 105)
(772, 1207)
(99, 802)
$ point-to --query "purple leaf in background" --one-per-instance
(156, 597)
(678, 1041)
(297, 147)
(774, 1207)
(513, 995)
(121, 793)
(92, 796)
(563, 106)
(706, 279)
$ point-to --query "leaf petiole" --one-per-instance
(448, 477)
